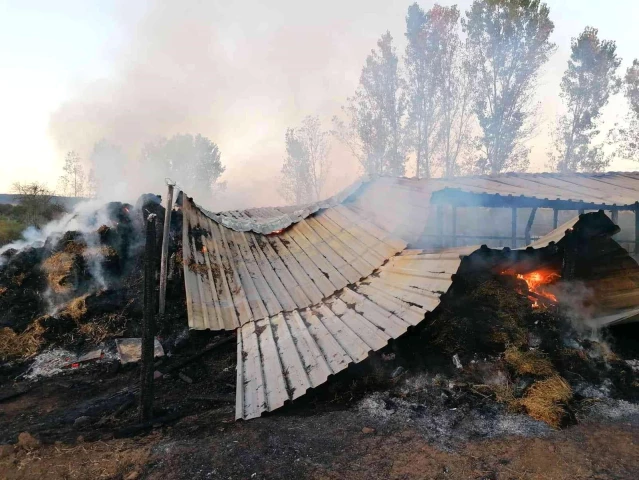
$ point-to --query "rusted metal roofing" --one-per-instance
(233, 278)
(280, 357)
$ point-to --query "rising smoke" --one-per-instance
(238, 74)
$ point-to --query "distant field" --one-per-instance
(9, 230)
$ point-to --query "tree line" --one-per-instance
(461, 100)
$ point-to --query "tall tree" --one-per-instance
(192, 161)
(374, 129)
(627, 136)
(72, 182)
(306, 165)
(456, 87)
(586, 87)
(425, 35)
(508, 42)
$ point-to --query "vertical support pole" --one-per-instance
(614, 214)
(581, 211)
(555, 218)
(440, 226)
(454, 226)
(514, 228)
(148, 323)
(529, 224)
(165, 247)
(636, 252)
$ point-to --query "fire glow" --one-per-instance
(537, 281)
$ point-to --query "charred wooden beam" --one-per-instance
(165, 247)
(148, 323)
(529, 224)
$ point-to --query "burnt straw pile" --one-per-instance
(80, 285)
(523, 328)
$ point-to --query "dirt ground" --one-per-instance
(81, 422)
(328, 446)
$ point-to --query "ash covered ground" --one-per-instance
(486, 387)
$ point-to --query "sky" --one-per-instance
(75, 71)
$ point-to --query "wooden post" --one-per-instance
(148, 323)
(581, 211)
(614, 215)
(555, 218)
(454, 226)
(529, 224)
(636, 252)
(514, 228)
(440, 226)
(165, 247)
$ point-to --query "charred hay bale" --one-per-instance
(529, 362)
(63, 271)
(480, 318)
(21, 345)
(545, 400)
(21, 284)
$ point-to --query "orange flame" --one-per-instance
(537, 281)
(204, 249)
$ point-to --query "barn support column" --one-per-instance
(454, 219)
(440, 226)
(514, 228)
(529, 224)
(555, 218)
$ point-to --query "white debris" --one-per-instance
(457, 362)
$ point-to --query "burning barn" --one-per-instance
(313, 289)
(310, 290)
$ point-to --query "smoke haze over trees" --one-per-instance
(306, 165)
(509, 42)
(586, 87)
(462, 96)
(73, 180)
(374, 130)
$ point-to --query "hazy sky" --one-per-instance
(74, 71)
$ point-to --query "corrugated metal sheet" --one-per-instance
(234, 277)
(270, 219)
(280, 357)
(309, 301)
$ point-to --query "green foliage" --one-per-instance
(36, 204)
(508, 42)
(10, 229)
(586, 88)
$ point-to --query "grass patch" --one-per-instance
(10, 230)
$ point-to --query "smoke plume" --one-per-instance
(236, 73)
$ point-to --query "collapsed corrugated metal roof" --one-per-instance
(236, 277)
(280, 357)
(328, 290)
